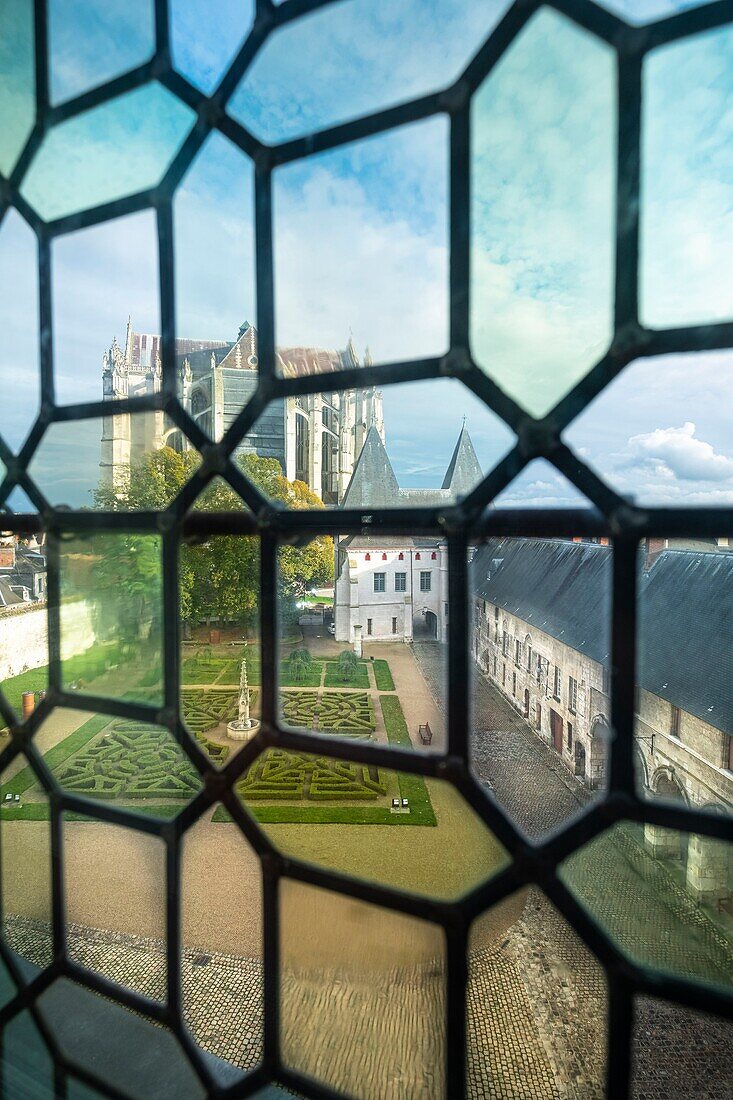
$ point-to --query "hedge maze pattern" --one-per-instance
(204, 709)
(131, 760)
(296, 776)
(334, 710)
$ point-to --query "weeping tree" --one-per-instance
(347, 665)
(300, 663)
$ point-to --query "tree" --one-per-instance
(299, 663)
(347, 665)
(219, 577)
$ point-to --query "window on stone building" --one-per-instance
(400, 582)
(570, 737)
(528, 652)
(394, 625)
(506, 642)
(518, 653)
(380, 581)
(426, 580)
(369, 626)
(572, 695)
(557, 683)
(675, 722)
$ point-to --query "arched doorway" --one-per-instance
(667, 844)
(600, 739)
(431, 624)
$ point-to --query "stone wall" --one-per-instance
(24, 636)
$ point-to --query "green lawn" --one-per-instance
(382, 675)
(334, 678)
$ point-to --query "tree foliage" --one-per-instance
(348, 663)
(219, 577)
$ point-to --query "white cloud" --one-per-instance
(679, 453)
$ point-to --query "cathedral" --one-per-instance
(317, 438)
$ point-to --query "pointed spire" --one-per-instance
(464, 470)
(368, 361)
(373, 483)
(129, 339)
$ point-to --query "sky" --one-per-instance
(361, 233)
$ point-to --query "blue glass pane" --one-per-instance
(17, 79)
(203, 48)
(92, 41)
(114, 150)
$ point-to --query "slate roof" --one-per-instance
(373, 482)
(241, 354)
(563, 588)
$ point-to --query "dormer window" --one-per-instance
(367, 557)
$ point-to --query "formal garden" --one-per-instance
(142, 766)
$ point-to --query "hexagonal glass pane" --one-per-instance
(87, 161)
(659, 434)
(687, 129)
(542, 211)
(370, 822)
(220, 647)
(24, 624)
(111, 616)
(18, 90)
(361, 250)
(541, 485)
(216, 345)
(355, 979)
(203, 48)
(124, 462)
(540, 643)
(673, 1044)
(662, 895)
(684, 699)
(27, 1066)
(528, 973)
(19, 367)
(25, 851)
(363, 652)
(133, 764)
(221, 964)
(361, 56)
(90, 42)
(419, 444)
(115, 889)
(105, 299)
(98, 1035)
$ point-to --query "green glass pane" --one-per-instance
(362, 995)
(133, 764)
(17, 80)
(25, 851)
(114, 150)
(542, 211)
(106, 312)
(126, 462)
(686, 223)
(111, 616)
(528, 973)
(662, 895)
(355, 58)
(19, 370)
(361, 248)
(92, 41)
(27, 1067)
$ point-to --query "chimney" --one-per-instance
(7, 553)
(652, 549)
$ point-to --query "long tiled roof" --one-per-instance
(564, 589)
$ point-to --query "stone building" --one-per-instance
(396, 588)
(316, 438)
(22, 570)
(541, 635)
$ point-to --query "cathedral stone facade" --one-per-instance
(317, 438)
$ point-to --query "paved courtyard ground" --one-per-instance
(363, 987)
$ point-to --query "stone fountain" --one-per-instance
(243, 728)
